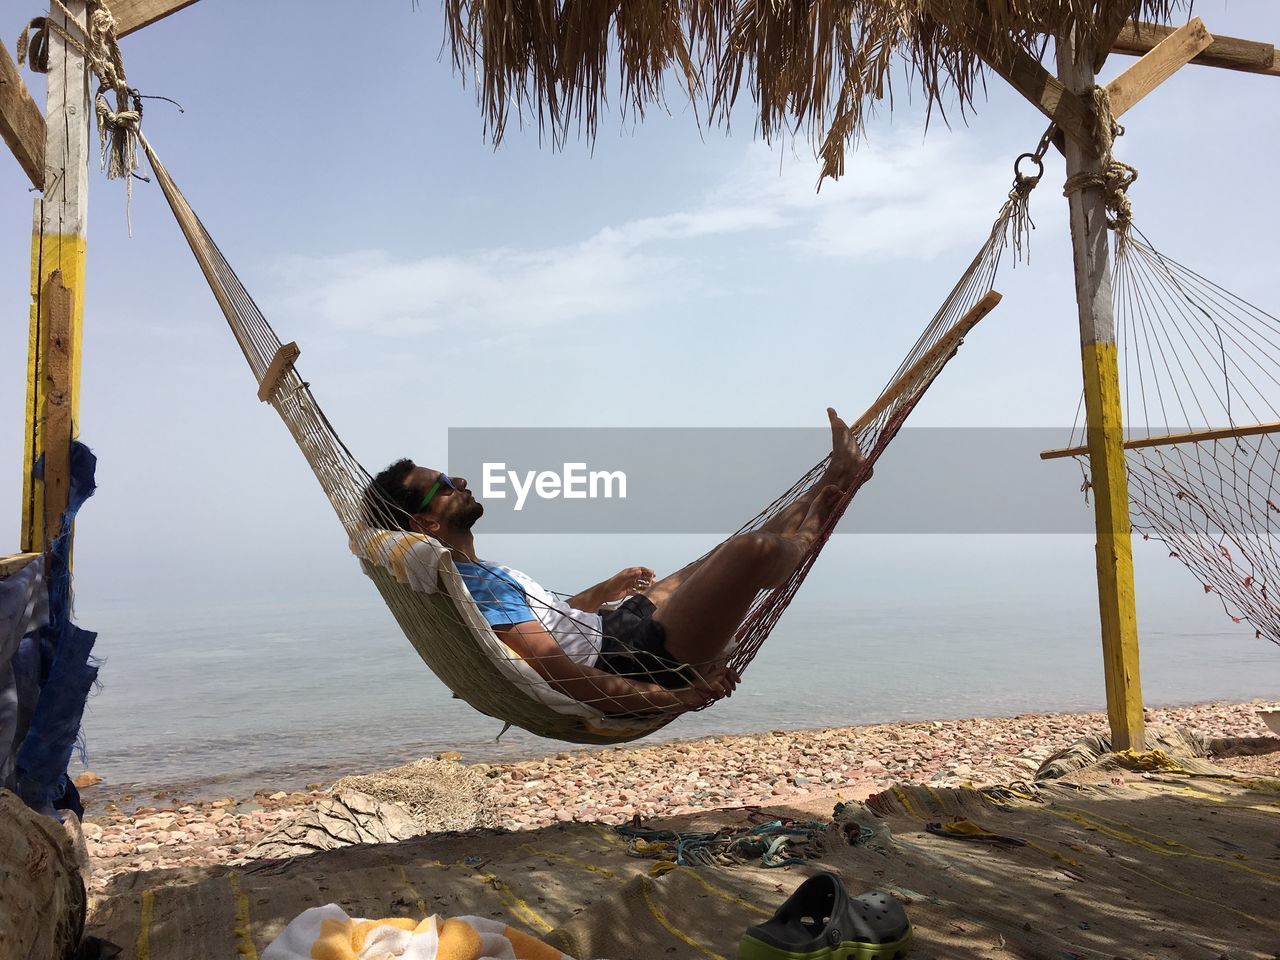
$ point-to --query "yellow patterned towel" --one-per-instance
(327, 933)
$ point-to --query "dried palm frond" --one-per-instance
(811, 66)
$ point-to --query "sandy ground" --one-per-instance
(614, 784)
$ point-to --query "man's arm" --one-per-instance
(608, 692)
(621, 584)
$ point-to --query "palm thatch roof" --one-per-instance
(813, 67)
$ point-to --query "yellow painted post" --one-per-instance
(57, 287)
(1105, 427)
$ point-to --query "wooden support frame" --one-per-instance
(1062, 99)
(276, 371)
(21, 122)
(1163, 60)
(1227, 53)
(133, 15)
(949, 342)
(1169, 439)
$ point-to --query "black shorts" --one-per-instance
(635, 646)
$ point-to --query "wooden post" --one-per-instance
(57, 248)
(1089, 242)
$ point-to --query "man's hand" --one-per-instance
(628, 581)
(621, 584)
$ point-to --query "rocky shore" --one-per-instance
(613, 784)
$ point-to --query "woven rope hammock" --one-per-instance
(416, 575)
(1201, 376)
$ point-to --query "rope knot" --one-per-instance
(1113, 177)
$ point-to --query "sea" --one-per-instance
(240, 697)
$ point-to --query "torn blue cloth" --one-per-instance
(58, 658)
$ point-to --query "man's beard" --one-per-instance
(469, 514)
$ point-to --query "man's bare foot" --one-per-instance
(847, 460)
(819, 514)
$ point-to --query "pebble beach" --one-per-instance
(612, 785)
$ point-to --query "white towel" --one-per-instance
(412, 558)
(327, 933)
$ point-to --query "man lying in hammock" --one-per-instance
(660, 648)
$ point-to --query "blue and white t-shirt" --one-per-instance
(507, 597)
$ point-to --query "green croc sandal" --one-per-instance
(820, 921)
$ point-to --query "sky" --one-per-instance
(666, 275)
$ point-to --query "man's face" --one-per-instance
(450, 508)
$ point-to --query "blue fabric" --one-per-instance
(58, 658)
(499, 598)
(24, 608)
(55, 725)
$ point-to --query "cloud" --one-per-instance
(902, 199)
(497, 288)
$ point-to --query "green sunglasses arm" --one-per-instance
(435, 488)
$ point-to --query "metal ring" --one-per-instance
(1017, 164)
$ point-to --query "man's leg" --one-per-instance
(843, 468)
(702, 613)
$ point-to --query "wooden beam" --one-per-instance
(949, 342)
(1168, 439)
(1105, 426)
(133, 15)
(11, 564)
(1022, 71)
(280, 365)
(21, 123)
(1228, 53)
(1164, 60)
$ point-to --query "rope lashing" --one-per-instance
(1018, 204)
(97, 43)
(1114, 177)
